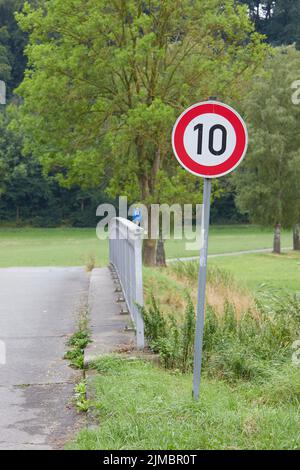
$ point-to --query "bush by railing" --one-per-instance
(234, 347)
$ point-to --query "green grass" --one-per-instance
(75, 246)
(51, 247)
(139, 406)
(226, 239)
(279, 272)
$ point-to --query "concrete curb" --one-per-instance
(107, 325)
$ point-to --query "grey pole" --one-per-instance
(201, 288)
(2, 92)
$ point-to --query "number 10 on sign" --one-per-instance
(209, 140)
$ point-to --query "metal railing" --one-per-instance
(125, 254)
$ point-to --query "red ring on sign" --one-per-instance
(204, 170)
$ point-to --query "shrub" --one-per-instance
(190, 270)
(171, 339)
(155, 324)
(249, 347)
(233, 348)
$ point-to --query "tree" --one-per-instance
(260, 11)
(21, 181)
(27, 195)
(268, 184)
(223, 208)
(183, 188)
(107, 80)
(12, 43)
(283, 26)
(278, 19)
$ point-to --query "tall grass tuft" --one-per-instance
(235, 347)
(190, 269)
(155, 324)
(173, 340)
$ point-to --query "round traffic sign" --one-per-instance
(210, 139)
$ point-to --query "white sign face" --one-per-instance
(210, 139)
(2, 92)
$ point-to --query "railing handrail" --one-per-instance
(131, 226)
(125, 254)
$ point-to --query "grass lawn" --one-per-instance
(74, 246)
(250, 391)
(276, 271)
(51, 247)
(140, 406)
(226, 239)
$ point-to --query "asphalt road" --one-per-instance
(38, 311)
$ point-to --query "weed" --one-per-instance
(237, 345)
(187, 270)
(106, 364)
(155, 324)
(187, 337)
(78, 342)
(90, 263)
(82, 404)
(190, 270)
(171, 339)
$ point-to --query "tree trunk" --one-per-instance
(277, 243)
(149, 251)
(296, 238)
(160, 253)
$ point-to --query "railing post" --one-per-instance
(139, 295)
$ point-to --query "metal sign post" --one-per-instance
(201, 288)
(209, 140)
(2, 92)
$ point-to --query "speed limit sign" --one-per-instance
(210, 139)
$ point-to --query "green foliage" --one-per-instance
(108, 364)
(21, 180)
(106, 81)
(223, 208)
(187, 270)
(283, 27)
(187, 337)
(12, 44)
(172, 340)
(235, 347)
(77, 343)
(250, 347)
(190, 270)
(155, 324)
(81, 403)
(138, 405)
(268, 183)
(278, 19)
(27, 195)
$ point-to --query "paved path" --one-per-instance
(233, 253)
(38, 310)
(108, 326)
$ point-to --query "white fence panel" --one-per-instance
(125, 254)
